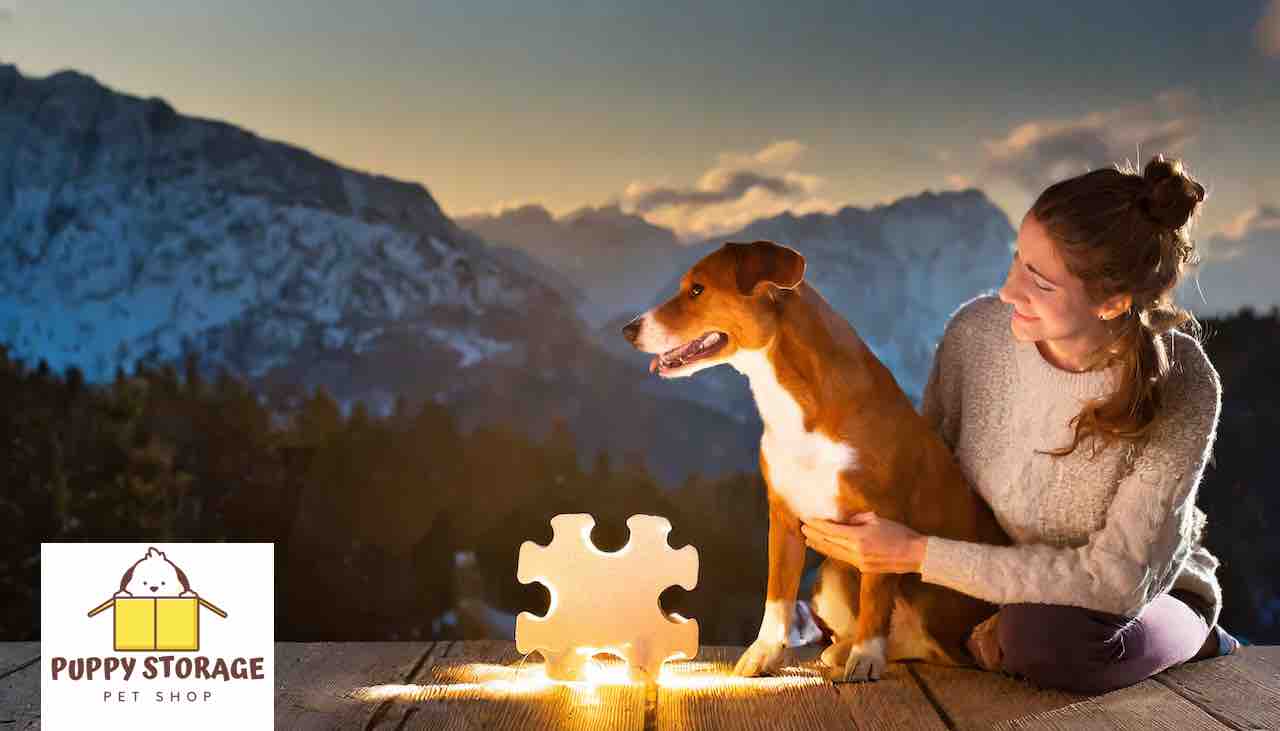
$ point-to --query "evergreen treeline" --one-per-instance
(400, 527)
(369, 515)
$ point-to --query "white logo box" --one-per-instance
(168, 688)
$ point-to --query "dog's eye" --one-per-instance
(695, 290)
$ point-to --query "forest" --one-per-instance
(404, 527)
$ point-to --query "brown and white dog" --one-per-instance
(840, 437)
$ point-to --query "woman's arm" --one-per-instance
(940, 402)
(1146, 536)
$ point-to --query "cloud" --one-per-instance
(1035, 154)
(1239, 266)
(523, 206)
(717, 186)
(783, 152)
(1267, 31)
(1252, 231)
(738, 189)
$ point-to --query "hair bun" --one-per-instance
(1169, 196)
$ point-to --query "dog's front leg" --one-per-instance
(866, 660)
(786, 562)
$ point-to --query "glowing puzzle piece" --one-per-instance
(607, 602)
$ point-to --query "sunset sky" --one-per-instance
(704, 119)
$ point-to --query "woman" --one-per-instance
(1084, 417)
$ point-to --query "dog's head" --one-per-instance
(725, 303)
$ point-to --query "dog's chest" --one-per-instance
(804, 467)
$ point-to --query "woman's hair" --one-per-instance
(1124, 232)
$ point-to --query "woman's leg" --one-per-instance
(1086, 651)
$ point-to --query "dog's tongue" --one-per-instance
(653, 364)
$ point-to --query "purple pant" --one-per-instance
(1087, 651)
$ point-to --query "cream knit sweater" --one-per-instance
(1108, 533)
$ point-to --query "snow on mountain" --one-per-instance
(129, 232)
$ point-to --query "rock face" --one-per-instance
(130, 232)
(611, 260)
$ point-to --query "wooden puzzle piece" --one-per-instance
(607, 602)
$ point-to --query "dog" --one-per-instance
(840, 437)
(154, 575)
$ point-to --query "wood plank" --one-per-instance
(1240, 690)
(487, 684)
(20, 699)
(1146, 705)
(1265, 654)
(896, 701)
(398, 700)
(14, 655)
(321, 684)
(976, 699)
(703, 694)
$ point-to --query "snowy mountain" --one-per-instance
(130, 232)
(613, 259)
(896, 272)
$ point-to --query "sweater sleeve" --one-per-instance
(940, 403)
(1145, 539)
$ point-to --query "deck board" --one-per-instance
(487, 684)
(484, 684)
(318, 684)
(20, 698)
(976, 699)
(1147, 705)
(14, 655)
(1242, 690)
(703, 694)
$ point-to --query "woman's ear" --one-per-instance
(1115, 306)
(762, 263)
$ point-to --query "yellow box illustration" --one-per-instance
(163, 623)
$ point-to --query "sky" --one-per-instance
(704, 119)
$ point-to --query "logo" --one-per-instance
(155, 608)
(158, 652)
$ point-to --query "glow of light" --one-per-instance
(489, 680)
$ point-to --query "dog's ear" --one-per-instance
(761, 262)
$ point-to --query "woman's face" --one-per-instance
(1049, 303)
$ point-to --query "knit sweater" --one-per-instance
(1110, 531)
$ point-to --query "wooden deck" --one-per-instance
(486, 684)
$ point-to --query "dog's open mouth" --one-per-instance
(692, 351)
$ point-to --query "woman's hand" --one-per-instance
(875, 545)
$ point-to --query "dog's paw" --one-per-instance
(834, 657)
(761, 658)
(849, 662)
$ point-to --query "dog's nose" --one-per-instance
(632, 330)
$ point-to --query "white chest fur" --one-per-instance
(804, 466)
